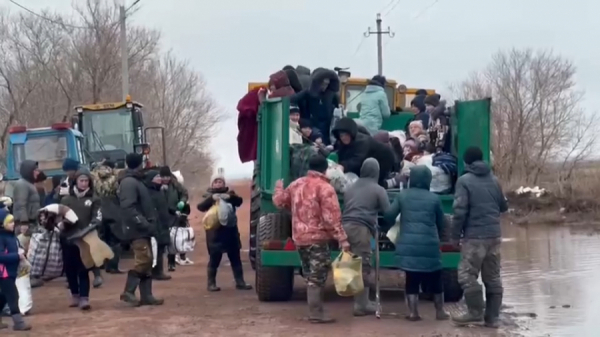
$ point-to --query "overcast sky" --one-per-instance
(233, 42)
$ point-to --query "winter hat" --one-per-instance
(305, 123)
(432, 100)
(418, 102)
(216, 176)
(70, 165)
(318, 163)
(134, 160)
(382, 137)
(5, 217)
(378, 80)
(472, 154)
(420, 92)
(165, 171)
(294, 109)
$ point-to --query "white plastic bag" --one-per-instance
(440, 181)
(393, 232)
(336, 177)
(225, 209)
(23, 284)
(154, 251)
(183, 239)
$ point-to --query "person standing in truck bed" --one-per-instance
(316, 219)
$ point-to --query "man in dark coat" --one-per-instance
(318, 102)
(177, 198)
(139, 218)
(153, 181)
(478, 203)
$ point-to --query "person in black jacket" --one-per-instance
(354, 147)
(153, 181)
(87, 208)
(223, 238)
(139, 218)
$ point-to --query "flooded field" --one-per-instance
(554, 274)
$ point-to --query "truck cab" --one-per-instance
(49, 146)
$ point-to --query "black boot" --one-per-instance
(158, 272)
(493, 302)
(412, 302)
(211, 284)
(238, 275)
(112, 266)
(146, 297)
(171, 262)
(98, 280)
(128, 295)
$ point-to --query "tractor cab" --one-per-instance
(48, 146)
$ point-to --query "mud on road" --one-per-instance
(190, 310)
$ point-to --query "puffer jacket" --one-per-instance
(26, 199)
(374, 108)
(422, 221)
(136, 206)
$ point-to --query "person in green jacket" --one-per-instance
(418, 244)
(374, 105)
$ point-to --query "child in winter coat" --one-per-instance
(10, 258)
(87, 208)
(223, 238)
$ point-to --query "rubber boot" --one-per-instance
(74, 301)
(98, 280)
(362, 305)
(238, 275)
(158, 272)
(211, 284)
(171, 262)
(3, 325)
(128, 295)
(112, 266)
(474, 314)
(316, 313)
(84, 303)
(19, 323)
(438, 302)
(412, 303)
(146, 297)
(493, 302)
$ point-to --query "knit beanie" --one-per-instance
(70, 165)
(378, 80)
(216, 176)
(419, 102)
(472, 155)
(305, 123)
(134, 160)
(318, 163)
(165, 171)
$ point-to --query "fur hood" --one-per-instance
(319, 75)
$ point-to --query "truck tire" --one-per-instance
(254, 215)
(273, 284)
(452, 290)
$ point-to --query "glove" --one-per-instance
(180, 205)
(225, 196)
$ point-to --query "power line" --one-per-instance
(425, 9)
(392, 8)
(386, 6)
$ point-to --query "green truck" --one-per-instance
(272, 252)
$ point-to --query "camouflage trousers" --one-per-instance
(359, 237)
(316, 262)
(480, 256)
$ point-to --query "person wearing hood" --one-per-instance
(354, 147)
(154, 182)
(363, 201)
(418, 244)
(139, 222)
(303, 76)
(10, 258)
(318, 102)
(279, 85)
(87, 208)
(177, 198)
(247, 138)
(478, 204)
(293, 78)
(374, 105)
(223, 239)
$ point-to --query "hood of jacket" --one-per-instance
(373, 88)
(304, 76)
(293, 79)
(26, 170)
(420, 177)
(478, 168)
(370, 169)
(345, 124)
(137, 174)
(148, 177)
(319, 75)
(282, 85)
(84, 172)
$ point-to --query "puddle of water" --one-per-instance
(554, 273)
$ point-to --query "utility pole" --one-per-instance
(124, 53)
(379, 34)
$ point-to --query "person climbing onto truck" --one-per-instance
(374, 105)
(139, 218)
(363, 200)
(418, 244)
(153, 182)
(223, 239)
(316, 219)
(318, 102)
(279, 85)
(478, 204)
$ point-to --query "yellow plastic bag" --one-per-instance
(211, 218)
(347, 274)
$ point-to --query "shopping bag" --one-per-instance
(23, 284)
(211, 218)
(393, 232)
(347, 274)
(154, 251)
(224, 211)
(183, 239)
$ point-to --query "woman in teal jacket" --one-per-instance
(418, 244)
(374, 106)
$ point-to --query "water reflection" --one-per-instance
(554, 273)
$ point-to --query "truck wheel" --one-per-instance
(254, 215)
(273, 283)
(452, 290)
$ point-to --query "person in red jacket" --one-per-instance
(316, 219)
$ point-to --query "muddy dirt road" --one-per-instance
(190, 310)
